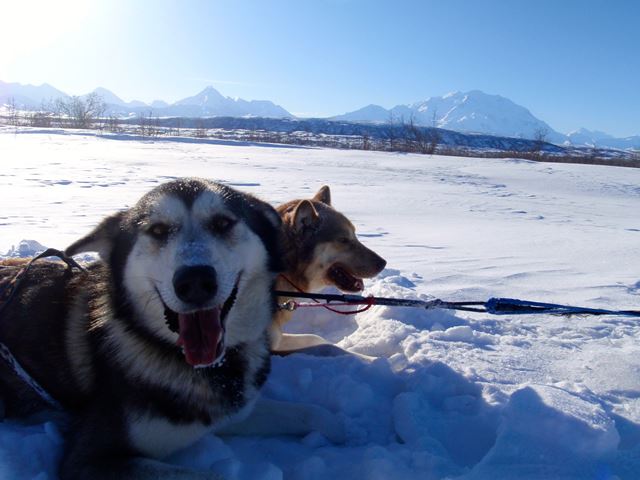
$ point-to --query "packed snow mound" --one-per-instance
(405, 416)
(25, 248)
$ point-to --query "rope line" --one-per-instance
(493, 306)
(292, 305)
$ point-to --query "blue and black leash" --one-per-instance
(493, 306)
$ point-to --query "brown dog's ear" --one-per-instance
(101, 239)
(304, 215)
(323, 195)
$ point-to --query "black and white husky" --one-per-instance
(162, 341)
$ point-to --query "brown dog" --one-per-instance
(320, 249)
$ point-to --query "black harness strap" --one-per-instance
(8, 289)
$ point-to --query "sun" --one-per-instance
(28, 25)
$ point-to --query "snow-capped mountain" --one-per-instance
(28, 96)
(159, 104)
(471, 112)
(369, 114)
(582, 136)
(108, 96)
(478, 112)
(596, 138)
(111, 99)
(209, 98)
(466, 112)
(208, 103)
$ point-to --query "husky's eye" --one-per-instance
(344, 240)
(159, 231)
(221, 224)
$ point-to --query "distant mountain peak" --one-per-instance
(108, 96)
(210, 102)
(159, 104)
(473, 111)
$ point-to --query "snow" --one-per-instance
(595, 138)
(453, 395)
(479, 112)
(472, 112)
(208, 102)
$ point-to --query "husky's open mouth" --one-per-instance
(201, 333)
(344, 280)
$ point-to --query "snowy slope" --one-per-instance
(454, 395)
(478, 112)
(112, 100)
(599, 139)
(208, 102)
(108, 96)
(473, 112)
(470, 112)
(29, 96)
(369, 114)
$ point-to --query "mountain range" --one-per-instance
(208, 103)
(468, 112)
(478, 112)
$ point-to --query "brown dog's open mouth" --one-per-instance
(201, 333)
(344, 280)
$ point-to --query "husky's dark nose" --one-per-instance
(380, 263)
(195, 285)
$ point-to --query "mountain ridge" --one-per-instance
(208, 102)
(467, 112)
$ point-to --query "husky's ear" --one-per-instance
(267, 224)
(323, 195)
(304, 215)
(272, 215)
(101, 239)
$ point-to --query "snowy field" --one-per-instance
(453, 395)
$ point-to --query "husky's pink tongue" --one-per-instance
(200, 336)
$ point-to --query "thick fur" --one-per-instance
(316, 238)
(100, 344)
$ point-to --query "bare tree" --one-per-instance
(539, 139)
(149, 126)
(391, 132)
(81, 112)
(201, 131)
(40, 118)
(420, 139)
(366, 141)
(12, 111)
(113, 124)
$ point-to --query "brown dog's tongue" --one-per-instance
(200, 336)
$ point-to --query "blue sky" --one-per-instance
(572, 63)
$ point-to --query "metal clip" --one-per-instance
(289, 306)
